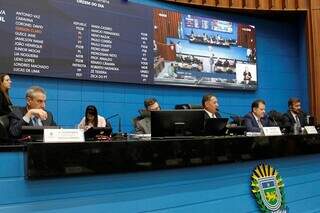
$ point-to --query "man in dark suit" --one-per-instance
(143, 123)
(210, 106)
(294, 114)
(256, 119)
(33, 114)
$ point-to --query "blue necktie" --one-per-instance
(35, 121)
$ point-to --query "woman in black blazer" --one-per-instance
(5, 102)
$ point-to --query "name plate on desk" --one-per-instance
(63, 135)
(311, 130)
(271, 131)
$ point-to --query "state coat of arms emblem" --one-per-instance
(268, 189)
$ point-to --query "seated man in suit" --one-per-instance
(256, 119)
(294, 114)
(210, 106)
(143, 126)
(33, 114)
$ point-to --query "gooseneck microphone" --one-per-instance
(237, 119)
(119, 120)
(275, 117)
(273, 120)
(227, 113)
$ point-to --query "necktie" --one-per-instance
(259, 124)
(298, 121)
(35, 121)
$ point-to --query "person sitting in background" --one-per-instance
(143, 124)
(210, 106)
(211, 61)
(256, 119)
(5, 102)
(226, 63)
(246, 76)
(92, 119)
(33, 114)
(171, 73)
(294, 114)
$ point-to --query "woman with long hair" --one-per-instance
(92, 119)
(5, 102)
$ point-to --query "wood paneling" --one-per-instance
(251, 4)
(210, 2)
(224, 3)
(166, 24)
(167, 51)
(199, 2)
(246, 36)
(315, 3)
(304, 4)
(183, 1)
(291, 4)
(314, 62)
(263, 4)
(236, 3)
(277, 5)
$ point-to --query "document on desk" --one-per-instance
(63, 135)
(311, 130)
(271, 131)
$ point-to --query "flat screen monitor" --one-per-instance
(216, 126)
(145, 45)
(203, 51)
(93, 132)
(35, 132)
(177, 123)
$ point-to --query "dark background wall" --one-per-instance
(282, 73)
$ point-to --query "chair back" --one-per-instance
(4, 126)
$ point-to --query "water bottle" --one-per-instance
(308, 119)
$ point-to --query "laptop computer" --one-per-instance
(35, 133)
(92, 133)
(215, 126)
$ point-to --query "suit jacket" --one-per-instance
(143, 126)
(252, 124)
(289, 121)
(16, 121)
(206, 116)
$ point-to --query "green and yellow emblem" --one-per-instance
(268, 188)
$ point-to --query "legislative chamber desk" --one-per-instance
(200, 174)
(67, 159)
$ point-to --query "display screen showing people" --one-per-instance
(119, 41)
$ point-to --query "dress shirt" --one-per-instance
(211, 115)
(258, 121)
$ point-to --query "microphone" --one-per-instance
(119, 121)
(273, 120)
(309, 120)
(274, 117)
(227, 113)
(237, 119)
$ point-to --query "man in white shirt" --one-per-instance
(256, 119)
(294, 115)
(210, 106)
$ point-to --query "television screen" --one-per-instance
(122, 41)
(203, 52)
